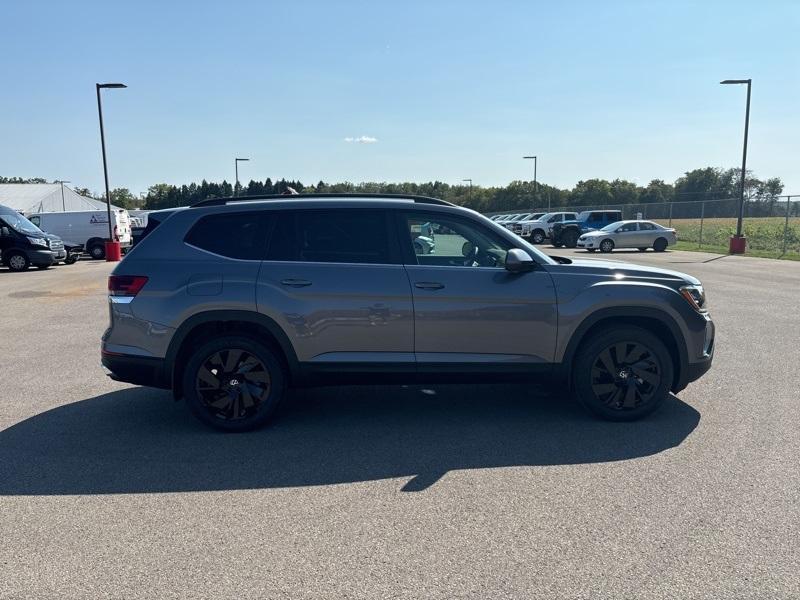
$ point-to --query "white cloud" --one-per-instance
(362, 139)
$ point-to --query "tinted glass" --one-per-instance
(238, 235)
(647, 227)
(337, 236)
(627, 227)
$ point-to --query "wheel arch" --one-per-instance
(657, 322)
(220, 322)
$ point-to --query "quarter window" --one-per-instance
(239, 235)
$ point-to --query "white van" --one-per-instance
(87, 228)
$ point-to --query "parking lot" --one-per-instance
(109, 490)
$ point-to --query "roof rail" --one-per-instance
(414, 198)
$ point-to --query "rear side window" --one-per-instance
(238, 235)
(336, 236)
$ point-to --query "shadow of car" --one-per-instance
(137, 440)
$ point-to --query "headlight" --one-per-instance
(38, 241)
(696, 296)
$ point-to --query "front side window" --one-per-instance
(239, 235)
(465, 244)
(627, 227)
(20, 224)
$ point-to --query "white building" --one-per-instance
(31, 198)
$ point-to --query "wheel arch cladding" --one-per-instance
(201, 326)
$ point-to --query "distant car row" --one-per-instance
(592, 230)
(45, 239)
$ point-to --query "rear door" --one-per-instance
(334, 282)
(468, 309)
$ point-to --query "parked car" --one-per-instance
(231, 301)
(517, 226)
(537, 231)
(22, 244)
(86, 228)
(568, 232)
(629, 234)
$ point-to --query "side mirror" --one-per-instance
(5, 232)
(519, 261)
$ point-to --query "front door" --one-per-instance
(467, 307)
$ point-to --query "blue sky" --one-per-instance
(448, 89)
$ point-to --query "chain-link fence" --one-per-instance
(772, 225)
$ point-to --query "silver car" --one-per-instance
(629, 234)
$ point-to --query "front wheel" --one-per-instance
(606, 246)
(233, 383)
(537, 237)
(17, 261)
(622, 373)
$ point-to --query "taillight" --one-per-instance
(125, 285)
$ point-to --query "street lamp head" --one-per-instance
(242, 159)
(111, 85)
(735, 81)
(470, 180)
(528, 157)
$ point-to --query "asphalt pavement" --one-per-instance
(482, 491)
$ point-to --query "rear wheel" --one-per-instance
(606, 246)
(234, 383)
(97, 251)
(537, 236)
(17, 261)
(570, 238)
(622, 374)
(660, 245)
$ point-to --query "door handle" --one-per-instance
(428, 285)
(296, 283)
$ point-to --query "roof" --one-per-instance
(45, 197)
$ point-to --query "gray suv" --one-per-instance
(231, 301)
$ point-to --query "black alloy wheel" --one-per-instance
(233, 383)
(538, 236)
(622, 373)
(625, 376)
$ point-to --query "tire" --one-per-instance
(17, 261)
(617, 387)
(224, 407)
(660, 245)
(570, 238)
(642, 249)
(71, 259)
(537, 237)
(97, 251)
(606, 246)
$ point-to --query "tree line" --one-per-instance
(708, 183)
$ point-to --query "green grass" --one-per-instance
(764, 236)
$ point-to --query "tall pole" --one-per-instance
(236, 185)
(469, 193)
(744, 163)
(105, 165)
(535, 184)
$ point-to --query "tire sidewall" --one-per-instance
(606, 246)
(101, 252)
(11, 256)
(586, 356)
(660, 245)
(263, 353)
(537, 237)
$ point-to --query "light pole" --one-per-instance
(738, 242)
(469, 194)
(115, 253)
(535, 184)
(236, 163)
(63, 202)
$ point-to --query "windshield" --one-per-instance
(612, 226)
(20, 224)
